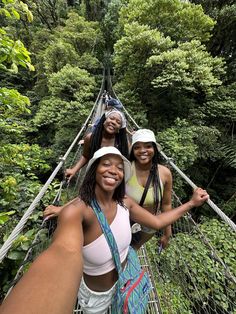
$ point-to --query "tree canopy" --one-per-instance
(173, 66)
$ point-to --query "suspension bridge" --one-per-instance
(206, 294)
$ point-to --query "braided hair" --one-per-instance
(121, 142)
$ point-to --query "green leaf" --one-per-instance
(15, 255)
(15, 13)
(30, 16)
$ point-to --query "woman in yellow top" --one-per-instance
(147, 171)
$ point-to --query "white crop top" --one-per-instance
(97, 255)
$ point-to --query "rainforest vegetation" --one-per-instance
(173, 67)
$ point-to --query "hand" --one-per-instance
(164, 241)
(52, 211)
(199, 197)
(69, 173)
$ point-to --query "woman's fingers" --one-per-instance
(49, 210)
(200, 196)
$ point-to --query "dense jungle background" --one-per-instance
(173, 67)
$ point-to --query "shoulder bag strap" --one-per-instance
(146, 189)
(108, 234)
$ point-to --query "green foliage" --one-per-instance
(110, 25)
(12, 262)
(131, 54)
(20, 167)
(56, 56)
(178, 142)
(188, 67)
(9, 10)
(71, 83)
(222, 238)
(135, 47)
(132, 103)
(12, 54)
(229, 207)
(93, 10)
(173, 301)
(189, 265)
(24, 157)
(229, 155)
(181, 20)
(80, 33)
(4, 217)
(71, 88)
(14, 107)
(13, 103)
(13, 9)
(89, 62)
(72, 43)
(221, 105)
(21, 245)
(207, 140)
(21, 164)
(222, 42)
(48, 13)
(171, 297)
(61, 53)
(166, 77)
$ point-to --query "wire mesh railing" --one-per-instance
(195, 274)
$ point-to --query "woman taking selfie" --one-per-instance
(79, 257)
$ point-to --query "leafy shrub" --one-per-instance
(190, 265)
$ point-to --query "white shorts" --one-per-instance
(92, 301)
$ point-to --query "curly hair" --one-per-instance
(154, 173)
(87, 189)
(121, 141)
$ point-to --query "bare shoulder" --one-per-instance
(128, 202)
(86, 149)
(87, 138)
(74, 210)
(164, 171)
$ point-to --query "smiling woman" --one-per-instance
(150, 184)
(109, 131)
(79, 244)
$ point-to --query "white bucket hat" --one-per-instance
(143, 135)
(114, 151)
(123, 120)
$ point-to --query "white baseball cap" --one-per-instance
(143, 135)
(114, 151)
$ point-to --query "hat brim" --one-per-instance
(111, 151)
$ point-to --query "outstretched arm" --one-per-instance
(143, 217)
(70, 172)
(52, 282)
(54, 211)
